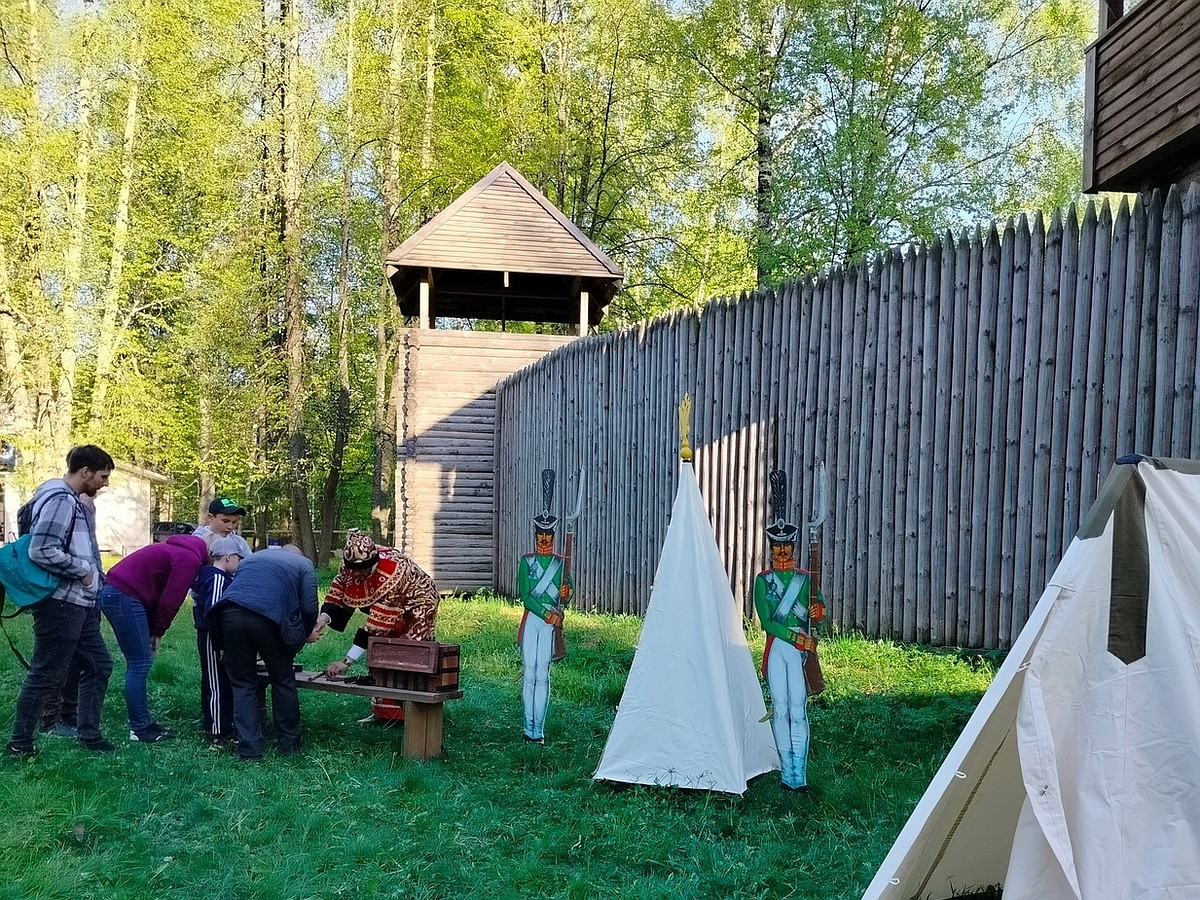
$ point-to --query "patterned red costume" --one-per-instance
(399, 598)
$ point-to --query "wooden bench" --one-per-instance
(422, 709)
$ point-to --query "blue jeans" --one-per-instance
(129, 623)
(64, 635)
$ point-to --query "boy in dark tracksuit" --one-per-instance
(216, 696)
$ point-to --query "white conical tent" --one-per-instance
(1078, 775)
(692, 714)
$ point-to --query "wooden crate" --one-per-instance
(413, 665)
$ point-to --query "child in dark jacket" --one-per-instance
(216, 697)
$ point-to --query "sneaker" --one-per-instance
(61, 729)
(151, 734)
(97, 745)
(20, 751)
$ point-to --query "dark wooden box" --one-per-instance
(413, 665)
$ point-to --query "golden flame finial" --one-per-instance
(685, 422)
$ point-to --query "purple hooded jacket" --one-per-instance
(159, 575)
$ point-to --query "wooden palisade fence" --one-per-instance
(967, 398)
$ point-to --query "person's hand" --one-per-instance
(564, 592)
(154, 641)
(554, 616)
(316, 634)
(335, 669)
(88, 579)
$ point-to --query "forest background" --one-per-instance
(195, 199)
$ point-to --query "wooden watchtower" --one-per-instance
(500, 252)
(1142, 106)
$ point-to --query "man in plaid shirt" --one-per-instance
(66, 627)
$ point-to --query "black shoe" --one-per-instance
(151, 734)
(97, 745)
(246, 758)
(20, 751)
(533, 740)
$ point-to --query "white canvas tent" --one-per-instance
(1078, 776)
(692, 714)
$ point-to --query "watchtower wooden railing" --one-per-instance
(1142, 106)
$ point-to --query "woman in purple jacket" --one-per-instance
(142, 593)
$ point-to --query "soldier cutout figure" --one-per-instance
(787, 612)
(545, 586)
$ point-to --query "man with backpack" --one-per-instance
(66, 626)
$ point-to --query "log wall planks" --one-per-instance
(966, 397)
(446, 451)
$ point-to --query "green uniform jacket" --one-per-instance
(766, 601)
(526, 582)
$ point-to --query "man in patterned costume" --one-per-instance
(399, 599)
(787, 613)
(544, 586)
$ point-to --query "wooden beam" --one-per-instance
(423, 320)
(1089, 120)
(584, 317)
(1110, 12)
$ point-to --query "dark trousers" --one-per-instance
(216, 695)
(246, 635)
(66, 708)
(64, 635)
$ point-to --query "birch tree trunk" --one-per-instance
(295, 321)
(383, 488)
(72, 264)
(19, 401)
(764, 155)
(427, 118)
(41, 318)
(341, 426)
(109, 337)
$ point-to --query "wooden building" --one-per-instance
(1142, 106)
(500, 252)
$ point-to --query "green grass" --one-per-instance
(495, 818)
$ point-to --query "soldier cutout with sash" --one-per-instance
(544, 586)
(787, 613)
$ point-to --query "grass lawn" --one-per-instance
(495, 818)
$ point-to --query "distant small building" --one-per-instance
(124, 512)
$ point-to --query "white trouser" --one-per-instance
(789, 720)
(537, 646)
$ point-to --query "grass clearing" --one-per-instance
(495, 818)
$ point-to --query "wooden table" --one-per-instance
(422, 709)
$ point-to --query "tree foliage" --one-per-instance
(194, 207)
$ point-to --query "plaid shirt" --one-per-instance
(62, 540)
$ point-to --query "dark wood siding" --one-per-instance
(1143, 103)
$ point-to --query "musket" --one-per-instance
(821, 486)
(572, 518)
(560, 643)
(812, 666)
